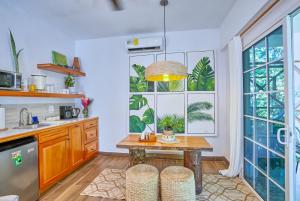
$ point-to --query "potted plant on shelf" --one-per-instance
(15, 52)
(70, 84)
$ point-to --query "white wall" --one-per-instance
(241, 13)
(106, 63)
(38, 40)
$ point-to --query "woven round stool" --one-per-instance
(177, 184)
(142, 183)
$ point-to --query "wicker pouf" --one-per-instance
(142, 183)
(177, 184)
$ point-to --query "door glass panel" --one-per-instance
(276, 76)
(261, 103)
(248, 149)
(277, 169)
(276, 106)
(248, 82)
(273, 143)
(264, 114)
(248, 105)
(260, 53)
(275, 45)
(248, 128)
(276, 194)
(249, 170)
(261, 158)
(261, 79)
(261, 132)
(248, 59)
(260, 184)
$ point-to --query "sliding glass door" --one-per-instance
(265, 116)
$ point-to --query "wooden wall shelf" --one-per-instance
(38, 94)
(60, 69)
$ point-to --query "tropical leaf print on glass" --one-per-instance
(141, 114)
(139, 83)
(172, 86)
(196, 112)
(202, 77)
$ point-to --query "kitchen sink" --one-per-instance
(41, 125)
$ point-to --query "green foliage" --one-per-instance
(194, 112)
(148, 116)
(140, 84)
(138, 124)
(202, 77)
(170, 86)
(136, 102)
(15, 53)
(69, 81)
(171, 122)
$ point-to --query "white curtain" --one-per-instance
(236, 108)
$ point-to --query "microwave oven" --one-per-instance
(10, 80)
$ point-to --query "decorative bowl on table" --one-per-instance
(168, 137)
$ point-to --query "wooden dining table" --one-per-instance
(192, 146)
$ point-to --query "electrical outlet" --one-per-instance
(51, 109)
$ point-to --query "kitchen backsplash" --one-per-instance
(12, 111)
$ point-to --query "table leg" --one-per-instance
(192, 160)
(137, 156)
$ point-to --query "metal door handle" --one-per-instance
(278, 136)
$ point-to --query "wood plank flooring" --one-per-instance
(69, 189)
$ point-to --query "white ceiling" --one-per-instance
(82, 19)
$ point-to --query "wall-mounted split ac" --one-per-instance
(138, 45)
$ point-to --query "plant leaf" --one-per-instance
(18, 54)
(136, 125)
(174, 121)
(199, 116)
(136, 102)
(197, 106)
(202, 77)
(163, 86)
(140, 71)
(148, 116)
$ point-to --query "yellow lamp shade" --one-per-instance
(166, 71)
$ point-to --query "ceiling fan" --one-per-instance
(116, 4)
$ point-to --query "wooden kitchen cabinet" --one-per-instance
(63, 149)
(53, 160)
(76, 145)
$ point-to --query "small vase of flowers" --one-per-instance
(85, 103)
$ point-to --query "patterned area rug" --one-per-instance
(110, 183)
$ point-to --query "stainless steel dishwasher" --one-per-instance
(19, 169)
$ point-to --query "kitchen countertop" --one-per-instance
(12, 134)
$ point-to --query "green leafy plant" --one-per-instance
(194, 112)
(138, 124)
(139, 83)
(15, 53)
(170, 86)
(69, 81)
(171, 122)
(202, 77)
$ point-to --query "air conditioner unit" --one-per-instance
(138, 45)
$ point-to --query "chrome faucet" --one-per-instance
(22, 121)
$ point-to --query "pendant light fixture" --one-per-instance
(165, 70)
